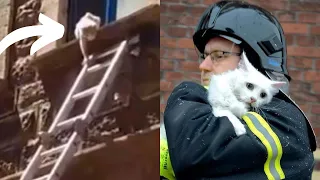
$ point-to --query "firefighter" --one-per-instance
(279, 141)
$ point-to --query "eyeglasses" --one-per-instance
(218, 55)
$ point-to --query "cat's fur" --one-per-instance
(230, 94)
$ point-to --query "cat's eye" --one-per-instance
(263, 95)
(250, 86)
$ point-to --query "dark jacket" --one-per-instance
(202, 146)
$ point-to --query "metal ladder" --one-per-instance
(66, 151)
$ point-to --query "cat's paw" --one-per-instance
(237, 125)
(239, 109)
(240, 130)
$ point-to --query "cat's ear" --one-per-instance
(278, 84)
(246, 65)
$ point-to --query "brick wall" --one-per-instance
(301, 23)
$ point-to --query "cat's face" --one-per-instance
(255, 91)
(252, 87)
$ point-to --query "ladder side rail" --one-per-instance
(33, 165)
(109, 75)
(65, 157)
(66, 106)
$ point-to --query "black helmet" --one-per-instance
(260, 33)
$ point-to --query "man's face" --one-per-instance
(210, 66)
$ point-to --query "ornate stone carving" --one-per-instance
(27, 152)
(30, 93)
(27, 14)
(7, 168)
(153, 118)
(27, 119)
(44, 117)
(21, 71)
(23, 46)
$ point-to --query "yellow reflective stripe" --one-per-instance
(265, 143)
(165, 163)
(269, 139)
(276, 140)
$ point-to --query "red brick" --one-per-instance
(304, 6)
(166, 96)
(163, 52)
(315, 30)
(303, 51)
(290, 61)
(312, 76)
(289, 39)
(193, 76)
(191, 2)
(210, 2)
(317, 40)
(305, 107)
(167, 42)
(318, 64)
(315, 109)
(286, 16)
(172, 76)
(163, 8)
(166, 64)
(197, 11)
(306, 41)
(189, 66)
(189, 21)
(303, 63)
(173, 8)
(185, 43)
(166, 85)
(192, 55)
(304, 96)
(162, 105)
(316, 87)
(177, 31)
(176, 54)
(307, 17)
(315, 121)
(274, 5)
(295, 74)
(294, 28)
(165, 20)
(191, 32)
(295, 85)
(162, 33)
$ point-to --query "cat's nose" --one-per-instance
(253, 100)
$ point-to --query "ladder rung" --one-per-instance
(45, 177)
(53, 150)
(67, 123)
(98, 67)
(107, 53)
(84, 93)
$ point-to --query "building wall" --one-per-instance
(30, 100)
(301, 23)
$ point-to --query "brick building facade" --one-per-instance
(32, 88)
(301, 24)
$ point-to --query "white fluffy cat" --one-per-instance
(232, 93)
